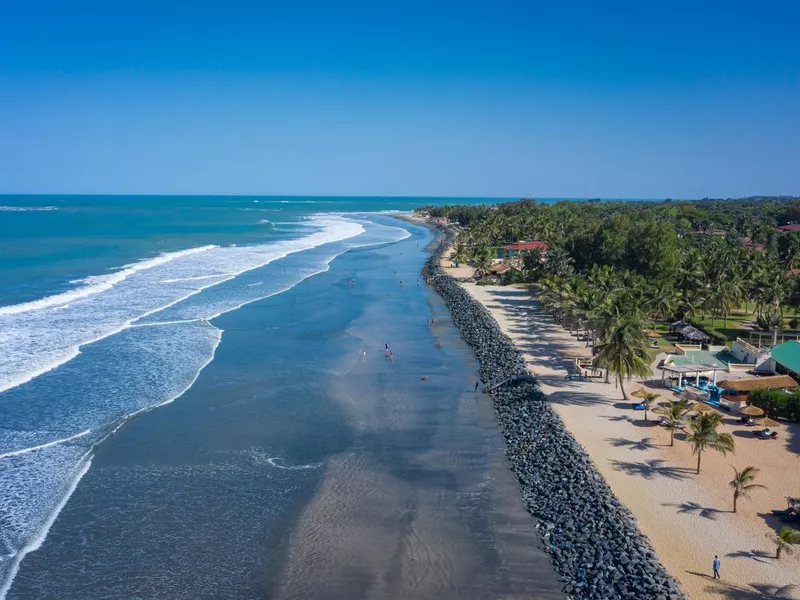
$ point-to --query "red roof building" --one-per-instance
(789, 227)
(517, 247)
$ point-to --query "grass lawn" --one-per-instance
(738, 322)
(736, 325)
(663, 345)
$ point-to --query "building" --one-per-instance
(510, 250)
(789, 227)
(786, 358)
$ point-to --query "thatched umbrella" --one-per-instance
(769, 423)
(652, 333)
(751, 410)
(639, 393)
(702, 407)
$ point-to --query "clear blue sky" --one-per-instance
(558, 98)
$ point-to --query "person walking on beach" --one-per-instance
(715, 565)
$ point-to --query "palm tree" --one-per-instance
(742, 483)
(673, 418)
(647, 399)
(460, 254)
(705, 435)
(785, 540)
(662, 301)
(624, 352)
(559, 262)
(483, 261)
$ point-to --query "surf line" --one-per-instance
(47, 445)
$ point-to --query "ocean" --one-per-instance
(195, 402)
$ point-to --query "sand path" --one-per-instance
(687, 517)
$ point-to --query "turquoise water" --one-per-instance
(245, 310)
(48, 242)
(706, 358)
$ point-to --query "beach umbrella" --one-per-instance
(639, 393)
(652, 333)
(769, 423)
(702, 407)
(751, 410)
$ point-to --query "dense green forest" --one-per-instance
(614, 269)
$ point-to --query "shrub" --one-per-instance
(777, 403)
(769, 320)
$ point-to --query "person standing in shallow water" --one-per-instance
(715, 565)
(477, 385)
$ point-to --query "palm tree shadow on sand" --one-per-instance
(754, 591)
(651, 469)
(694, 508)
(761, 556)
(643, 444)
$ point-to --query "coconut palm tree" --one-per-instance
(483, 261)
(460, 253)
(559, 261)
(624, 352)
(742, 483)
(647, 399)
(673, 418)
(662, 301)
(705, 435)
(785, 540)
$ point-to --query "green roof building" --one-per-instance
(787, 358)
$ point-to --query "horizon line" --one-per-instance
(387, 196)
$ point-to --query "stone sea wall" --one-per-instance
(593, 540)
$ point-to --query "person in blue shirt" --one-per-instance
(716, 564)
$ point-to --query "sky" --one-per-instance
(567, 98)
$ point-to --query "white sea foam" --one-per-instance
(96, 284)
(28, 208)
(163, 340)
(198, 278)
(277, 462)
(34, 341)
(47, 445)
(36, 542)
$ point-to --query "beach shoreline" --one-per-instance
(594, 542)
(685, 518)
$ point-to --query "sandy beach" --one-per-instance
(687, 517)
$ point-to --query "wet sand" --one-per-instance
(422, 505)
